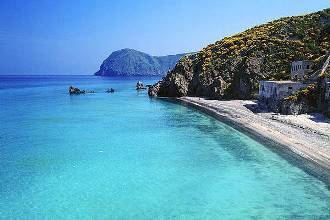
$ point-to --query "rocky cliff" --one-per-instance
(129, 62)
(232, 67)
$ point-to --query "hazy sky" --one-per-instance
(73, 37)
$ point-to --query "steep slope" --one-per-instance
(232, 67)
(129, 62)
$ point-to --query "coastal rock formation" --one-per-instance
(139, 85)
(232, 67)
(154, 89)
(75, 91)
(111, 90)
(129, 62)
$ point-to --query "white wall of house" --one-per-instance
(300, 68)
(278, 89)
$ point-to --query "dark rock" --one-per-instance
(111, 90)
(295, 107)
(184, 80)
(153, 90)
(324, 95)
(75, 91)
(139, 85)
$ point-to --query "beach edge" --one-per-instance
(311, 162)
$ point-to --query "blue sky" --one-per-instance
(73, 37)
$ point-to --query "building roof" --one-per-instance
(280, 82)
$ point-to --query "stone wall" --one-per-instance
(324, 96)
(294, 107)
(278, 89)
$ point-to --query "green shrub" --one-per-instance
(282, 41)
(310, 93)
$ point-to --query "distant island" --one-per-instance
(130, 62)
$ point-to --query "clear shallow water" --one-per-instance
(125, 156)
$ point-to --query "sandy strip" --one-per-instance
(304, 137)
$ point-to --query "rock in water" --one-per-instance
(75, 91)
(111, 90)
(153, 90)
(139, 85)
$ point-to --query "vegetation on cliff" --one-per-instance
(232, 67)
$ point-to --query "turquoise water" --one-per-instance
(125, 156)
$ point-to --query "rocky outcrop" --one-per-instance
(187, 79)
(111, 90)
(232, 67)
(139, 85)
(129, 62)
(75, 91)
(154, 89)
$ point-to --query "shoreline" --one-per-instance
(305, 147)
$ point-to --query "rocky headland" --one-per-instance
(223, 78)
(232, 67)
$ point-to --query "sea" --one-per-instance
(124, 155)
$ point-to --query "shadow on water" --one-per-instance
(211, 129)
(231, 143)
(296, 160)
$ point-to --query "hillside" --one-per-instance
(129, 62)
(232, 67)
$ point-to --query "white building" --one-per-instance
(276, 90)
(271, 93)
(300, 68)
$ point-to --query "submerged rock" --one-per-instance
(139, 85)
(111, 90)
(75, 91)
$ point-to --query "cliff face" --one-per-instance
(232, 67)
(129, 62)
